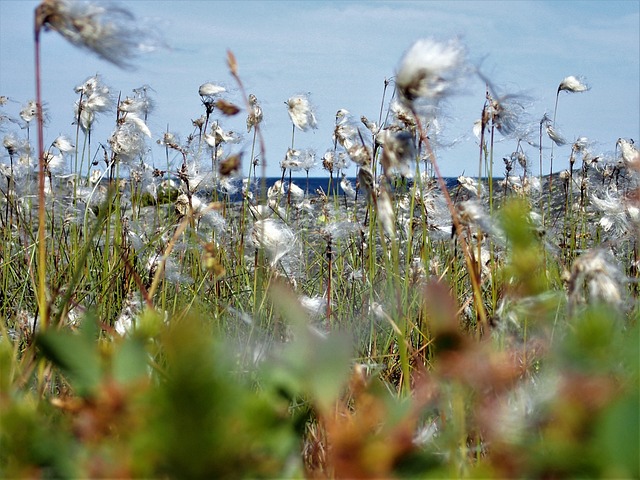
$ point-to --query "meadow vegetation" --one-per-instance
(189, 320)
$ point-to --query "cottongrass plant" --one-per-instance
(570, 84)
(302, 114)
(405, 328)
(110, 32)
(428, 71)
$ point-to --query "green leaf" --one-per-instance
(313, 363)
(618, 440)
(525, 267)
(129, 361)
(76, 355)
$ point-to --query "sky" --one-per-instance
(341, 54)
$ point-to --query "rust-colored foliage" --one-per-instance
(361, 441)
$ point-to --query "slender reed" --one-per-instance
(43, 307)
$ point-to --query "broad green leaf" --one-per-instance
(129, 361)
(316, 363)
(77, 357)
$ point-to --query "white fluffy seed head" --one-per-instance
(275, 237)
(386, 216)
(555, 136)
(630, 153)
(596, 273)
(108, 30)
(573, 84)
(63, 144)
(398, 152)
(255, 113)
(429, 69)
(347, 187)
(29, 111)
(210, 89)
(301, 112)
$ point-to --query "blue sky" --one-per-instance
(341, 53)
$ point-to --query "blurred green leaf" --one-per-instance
(32, 435)
(525, 265)
(205, 421)
(593, 341)
(149, 324)
(312, 363)
(8, 362)
(618, 438)
(129, 361)
(319, 365)
(76, 355)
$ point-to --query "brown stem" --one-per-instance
(233, 69)
(475, 281)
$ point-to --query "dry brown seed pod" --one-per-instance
(230, 165)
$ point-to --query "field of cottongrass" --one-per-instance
(189, 320)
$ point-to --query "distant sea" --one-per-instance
(313, 184)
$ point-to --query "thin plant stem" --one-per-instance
(43, 308)
(475, 281)
(233, 69)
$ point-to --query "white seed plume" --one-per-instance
(54, 163)
(340, 230)
(573, 84)
(108, 30)
(402, 114)
(276, 190)
(473, 213)
(29, 111)
(308, 160)
(384, 209)
(554, 135)
(63, 144)
(347, 188)
(125, 322)
(260, 212)
(13, 145)
(314, 306)
(127, 142)
(367, 181)
(360, 154)
(477, 128)
(139, 123)
(341, 161)
(618, 213)
(218, 136)
(301, 112)
(468, 183)
(297, 193)
(275, 237)
(371, 126)
(580, 145)
(140, 105)
(429, 69)
(596, 271)
(398, 152)
(630, 153)
(95, 177)
(255, 113)
(94, 98)
(210, 90)
(292, 160)
(328, 160)
(345, 132)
